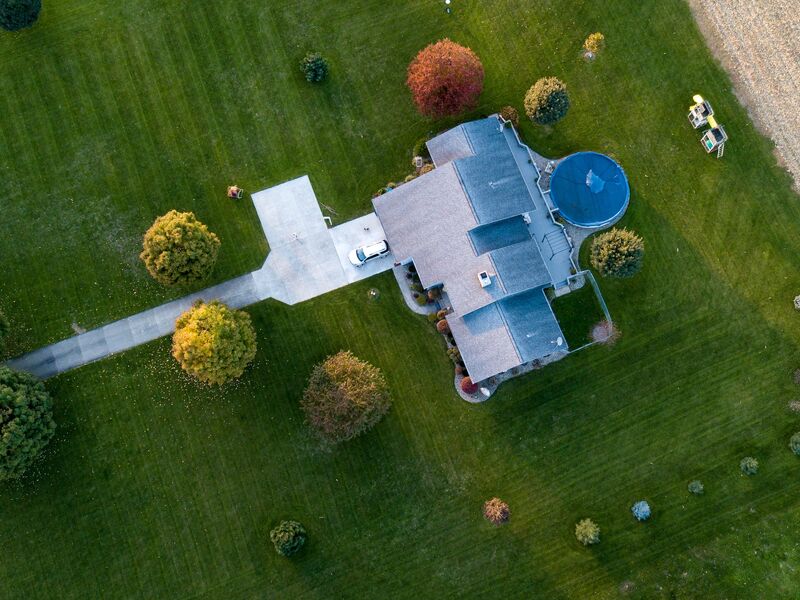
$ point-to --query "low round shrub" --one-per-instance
(467, 386)
(587, 532)
(433, 318)
(641, 510)
(315, 67)
(441, 314)
(410, 177)
(696, 487)
(288, 537)
(748, 465)
(426, 168)
(345, 397)
(26, 421)
(547, 101)
(794, 443)
(617, 253)
(214, 343)
(594, 43)
(509, 113)
(422, 300)
(496, 511)
(443, 327)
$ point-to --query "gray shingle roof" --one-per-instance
(449, 146)
(485, 342)
(520, 267)
(532, 324)
(499, 234)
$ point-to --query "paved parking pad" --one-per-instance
(355, 233)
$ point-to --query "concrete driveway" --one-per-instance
(355, 233)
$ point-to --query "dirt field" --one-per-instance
(758, 42)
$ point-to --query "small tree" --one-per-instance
(748, 465)
(26, 421)
(617, 253)
(445, 79)
(288, 537)
(547, 101)
(510, 114)
(315, 67)
(794, 443)
(179, 250)
(641, 510)
(345, 397)
(594, 43)
(19, 14)
(496, 511)
(696, 487)
(587, 532)
(213, 342)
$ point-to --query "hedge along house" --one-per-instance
(479, 226)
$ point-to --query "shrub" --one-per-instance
(4, 327)
(288, 537)
(345, 397)
(454, 353)
(617, 253)
(467, 386)
(432, 318)
(416, 287)
(442, 313)
(179, 250)
(445, 79)
(435, 293)
(496, 511)
(421, 148)
(748, 465)
(547, 101)
(794, 443)
(594, 43)
(459, 370)
(421, 300)
(410, 177)
(19, 14)
(26, 421)
(443, 327)
(426, 168)
(696, 487)
(214, 343)
(509, 113)
(315, 67)
(587, 532)
(641, 510)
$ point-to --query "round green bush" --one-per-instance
(748, 465)
(587, 532)
(617, 253)
(288, 537)
(179, 250)
(214, 343)
(696, 487)
(26, 421)
(315, 67)
(547, 101)
(794, 443)
(19, 14)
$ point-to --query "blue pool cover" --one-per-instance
(589, 189)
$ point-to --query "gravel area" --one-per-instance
(758, 42)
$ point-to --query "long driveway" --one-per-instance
(306, 259)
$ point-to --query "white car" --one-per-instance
(361, 255)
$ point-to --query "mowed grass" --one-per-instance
(156, 487)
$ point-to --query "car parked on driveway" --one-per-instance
(365, 253)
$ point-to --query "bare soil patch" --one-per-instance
(759, 45)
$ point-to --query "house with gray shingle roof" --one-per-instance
(479, 226)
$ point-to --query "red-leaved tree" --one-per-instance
(445, 79)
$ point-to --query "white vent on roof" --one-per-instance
(484, 278)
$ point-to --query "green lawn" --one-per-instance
(115, 112)
(577, 313)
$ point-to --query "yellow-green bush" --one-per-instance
(214, 343)
(617, 253)
(179, 250)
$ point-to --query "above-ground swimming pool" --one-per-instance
(589, 189)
